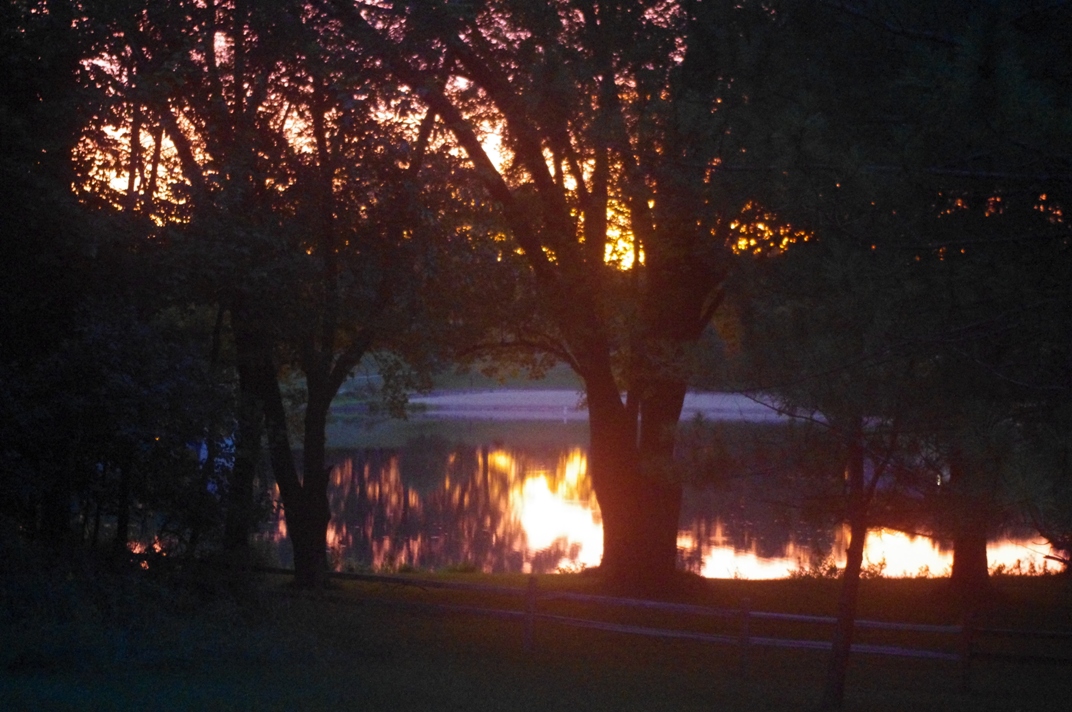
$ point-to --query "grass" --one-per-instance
(359, 645)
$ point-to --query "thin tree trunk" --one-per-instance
(149, 194)
(238, 524)
(135, 160)
(122, 518)
(308, 569)
(834, 689)
(96, 525)
(259, 386)
(306, 520)
(310, 544)
(198, 523)
(970, 577)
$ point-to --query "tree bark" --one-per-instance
(306, 520)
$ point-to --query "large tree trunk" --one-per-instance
(834, 689)
(307, 528)
(640, 515)
(639, 495)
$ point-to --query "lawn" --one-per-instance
(375, 646)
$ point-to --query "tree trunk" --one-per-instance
(199, 519)
(310, 544)
(239, 520)
(54, 506)
(122, 512)
(306, 519)
(834, 689)
(640, 517)
(257, 376)
(307, 529)
(639, 496)
(970, 578)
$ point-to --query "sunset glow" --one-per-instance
(759, 232)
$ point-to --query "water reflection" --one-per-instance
(433, 505)
(886, 553)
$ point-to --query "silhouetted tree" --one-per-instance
(617, 120)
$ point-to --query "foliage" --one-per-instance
(929, 300)
(102, 393)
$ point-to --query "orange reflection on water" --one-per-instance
(721, 560)
(555, 507)
(1026, 556)
(887, 553)
(897, 554)
(507, 510)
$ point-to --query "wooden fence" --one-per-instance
(964, 638)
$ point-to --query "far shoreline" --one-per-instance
(517, 415)
(567, 405)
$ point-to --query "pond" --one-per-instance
(513, 495)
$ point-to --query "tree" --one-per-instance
(615, 118)
(101, 395)
(39, 61)
(296, 216)
(921, 162)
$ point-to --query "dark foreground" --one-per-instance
(218, 641)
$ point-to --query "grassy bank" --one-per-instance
(369, 646)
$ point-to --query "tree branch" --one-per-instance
(191, 169)
(426, 89)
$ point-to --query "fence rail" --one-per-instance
(965, 635)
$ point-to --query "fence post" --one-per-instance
(528, 640)
(744, 615)
(967, 640)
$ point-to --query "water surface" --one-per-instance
(438, 503)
